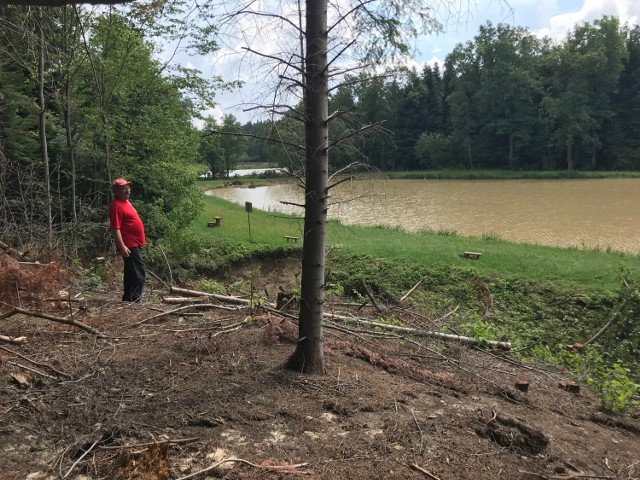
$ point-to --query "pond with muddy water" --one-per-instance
(593, 213)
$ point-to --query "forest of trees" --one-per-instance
(84, 99)
(506, 100)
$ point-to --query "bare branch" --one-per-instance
(343, 17)
(292, 203)
(231, 134)
(273, 57)
(339, 54)
(353, 133)
(357, 80)
(348, 167)
(75, 323)
(297, 83)
(269, 15)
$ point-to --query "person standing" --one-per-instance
(128, 235)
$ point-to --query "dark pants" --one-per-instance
(134, 276)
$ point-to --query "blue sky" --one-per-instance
(554, 18)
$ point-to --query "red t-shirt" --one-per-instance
(123, 217)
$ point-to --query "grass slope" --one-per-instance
(580, 269)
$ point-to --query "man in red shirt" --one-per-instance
(128, 235)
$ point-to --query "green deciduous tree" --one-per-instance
(463, 80)
(584, 74)
(508, 85)
(210, 151)
(628, 104)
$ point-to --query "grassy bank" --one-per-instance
(540, 298)
(579, 269)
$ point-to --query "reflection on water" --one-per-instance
(584, 213)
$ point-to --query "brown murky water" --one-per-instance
(602, 213)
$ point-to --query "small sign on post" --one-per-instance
(248, 207)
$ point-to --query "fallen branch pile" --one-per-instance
(359, 320)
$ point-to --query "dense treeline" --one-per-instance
(84, 100)
(507, 99)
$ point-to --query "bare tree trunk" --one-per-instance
(308, 356)
(4, 203)
(511, 159)
(570, 153)
(67, 117)
(43, 131)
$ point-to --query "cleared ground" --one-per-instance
(165, 396)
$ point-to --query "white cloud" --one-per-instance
(559, 25)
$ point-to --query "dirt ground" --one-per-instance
(201, 393)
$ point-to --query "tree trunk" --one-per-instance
(43, 131)
(67, 118)
(511, 159)
(569, 153)
(308, 356)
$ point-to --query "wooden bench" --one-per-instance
(215, 223)
(288, 238)
(472, 255)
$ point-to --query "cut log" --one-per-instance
(13, 340)
(10, 251)
(419, 332)
(221, 298)
(179, 300)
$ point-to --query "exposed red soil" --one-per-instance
(173, 395)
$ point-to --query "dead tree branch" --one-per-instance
(412, 289)
(74, 323)
(419, 332)
(290, 468)
(186, 307)
(33, 362)
(615, 315)
(13, 340)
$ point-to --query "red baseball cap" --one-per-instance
(118, 182)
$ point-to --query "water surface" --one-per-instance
(592, 213)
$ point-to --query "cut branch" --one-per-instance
(290, 468)
(283, 202)
(222, 298)
(179, 300)
(13, 340)
(419, 332)
(65, 321)
(412, 289)
(368, 292)
(33, 362)
(615, 315)
(186, 307)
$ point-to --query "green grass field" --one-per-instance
(582, 269)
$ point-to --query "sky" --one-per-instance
(553, 18)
